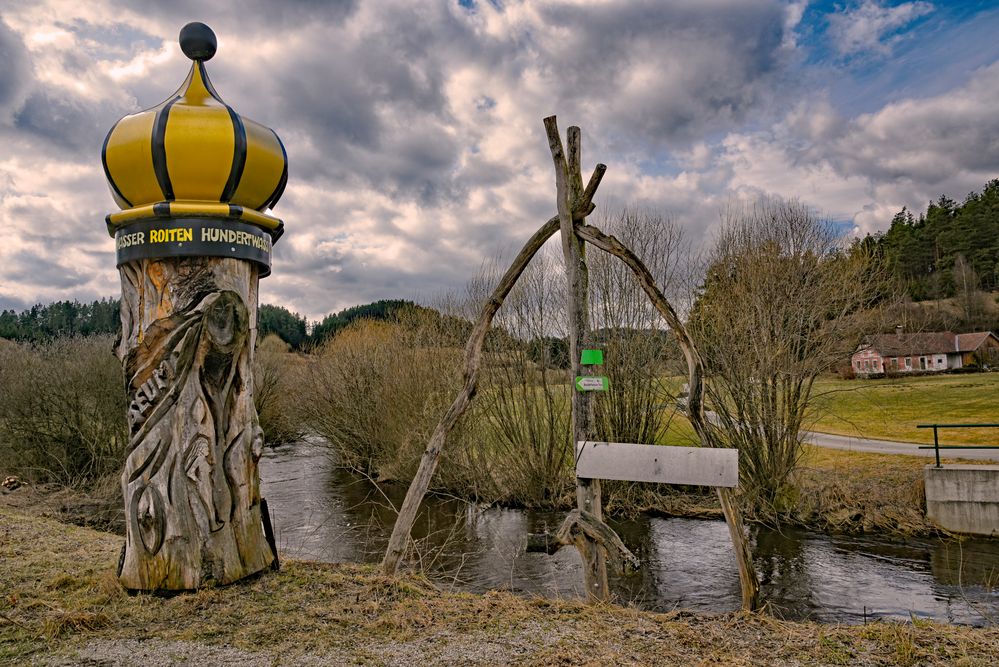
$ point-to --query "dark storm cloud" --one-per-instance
(372, 102)
(34, 269)
(69, 124)
(272, 15)
(13, 303)
(711, 62)
(15, 72)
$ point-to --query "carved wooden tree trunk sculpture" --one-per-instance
(196, 182)
(190, 482)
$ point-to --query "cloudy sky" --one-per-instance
(414, 129)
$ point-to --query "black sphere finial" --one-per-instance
(197, 41)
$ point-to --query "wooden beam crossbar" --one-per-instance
(695, 466)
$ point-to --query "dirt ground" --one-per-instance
(60, 604)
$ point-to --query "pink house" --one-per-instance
(924, 352)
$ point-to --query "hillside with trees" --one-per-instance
(948, 250)
(60, 319)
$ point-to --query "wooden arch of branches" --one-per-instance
(584, 527)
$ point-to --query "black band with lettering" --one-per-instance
(194, 237)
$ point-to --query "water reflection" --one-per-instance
(321, 513)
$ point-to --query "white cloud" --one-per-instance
(871, 26)
(867, 168)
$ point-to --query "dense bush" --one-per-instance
(62, 410)
(275, 388)
(375, 392)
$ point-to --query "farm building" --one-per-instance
(925, 352)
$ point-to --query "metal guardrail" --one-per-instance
(936, 446)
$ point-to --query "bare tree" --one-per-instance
(642, 359)
(970, 300)
(782, 303)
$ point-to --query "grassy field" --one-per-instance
(62, 605)
(889, 409)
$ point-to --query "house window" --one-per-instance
(908, 363)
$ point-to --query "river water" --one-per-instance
(322, 513)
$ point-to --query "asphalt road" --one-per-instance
(888, 447)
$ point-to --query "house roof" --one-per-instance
(905, 344)
(970, 342)
(935, 342)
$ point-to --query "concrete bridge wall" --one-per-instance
(963, 498)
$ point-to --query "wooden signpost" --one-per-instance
(195, 182)
(584, 527)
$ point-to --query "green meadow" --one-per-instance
(890, 408)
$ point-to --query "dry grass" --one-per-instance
(841, 491)
(61, 601)
(854, 492)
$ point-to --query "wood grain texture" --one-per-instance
(568, 193)
(190, 480)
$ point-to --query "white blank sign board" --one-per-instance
(652, 463)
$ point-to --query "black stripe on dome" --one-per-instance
(208, 82)
(159, 150)
(107, 172)
(238, 155)
(282, 182)
(161, 208)
(235, 211)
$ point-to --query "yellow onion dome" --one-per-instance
(193, 156)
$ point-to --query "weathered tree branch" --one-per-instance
(473, 358)
(577, 524)
(569, 191)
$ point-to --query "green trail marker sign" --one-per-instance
(591, 383)
(591, 358)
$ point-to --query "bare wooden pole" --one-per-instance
(569, 188)
(695, 403)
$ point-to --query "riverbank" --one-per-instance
(832, 491)
(62, 605)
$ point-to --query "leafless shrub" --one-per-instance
(376, 390)
(523, 408)
(62, 411)
(641, 359)
(782, 303)
(274, 391)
